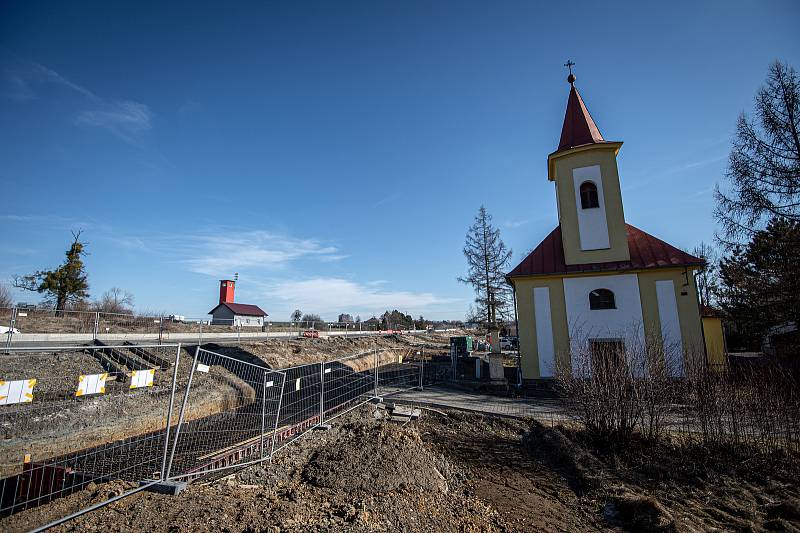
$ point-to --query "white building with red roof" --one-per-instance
(228, 313)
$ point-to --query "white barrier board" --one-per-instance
(92, 384)
(17, 391)
(142, 378)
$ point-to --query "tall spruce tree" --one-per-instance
(487, 262)
(763, 176)
(65, 285)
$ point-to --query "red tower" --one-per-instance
(226, 287)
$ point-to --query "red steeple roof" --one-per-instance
(579, 128)
(646, 252)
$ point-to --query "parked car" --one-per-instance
(311, 333)
(509, 343)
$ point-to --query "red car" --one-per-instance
(312, 333)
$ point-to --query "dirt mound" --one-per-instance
(639, 513)
(378, 458)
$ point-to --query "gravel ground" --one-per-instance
(452, 471)
(58, 423)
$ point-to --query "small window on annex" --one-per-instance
(589, 197)
(602, 299)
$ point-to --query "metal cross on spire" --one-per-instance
(571, 78)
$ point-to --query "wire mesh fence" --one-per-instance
(61, 411)
(137, 413)
(347, 383)
(221, 427)
(398, 370)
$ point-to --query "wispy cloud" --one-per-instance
(702, 192)
(511, 224)
(673, 170)
(330, 296)
(123, 118)
(386, 199)
(226, 251)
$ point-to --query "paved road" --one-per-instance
(542, 409)
(30, 340)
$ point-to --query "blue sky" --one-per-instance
(334, 153)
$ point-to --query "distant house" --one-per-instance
(228, 313)
(237, 315)
(372, 322)
(344, 317)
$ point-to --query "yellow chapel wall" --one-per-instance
(529, 353)
(688, 308)
(715, 341)
(605, 157)
(688, 313)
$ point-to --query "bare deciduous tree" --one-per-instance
(707, 284)
(115, 300)
(5, 296)
(764, 166)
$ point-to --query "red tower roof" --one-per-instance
(646, 252)
(579, 127)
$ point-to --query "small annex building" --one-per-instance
(228, 313)
(597, 283)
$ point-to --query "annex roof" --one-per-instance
(242, 309)
(646, 252)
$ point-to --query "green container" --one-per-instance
(461, 346)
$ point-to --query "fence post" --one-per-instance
(96, 325)
(238, 334)
(277, 418)
(160, 328)
(12, 323)
(321, 391)
(263, 412)
(169, 412)
(183, 411)
(422, 367)
(376, 370)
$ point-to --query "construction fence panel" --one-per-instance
(300, 403)
(228, 415)
(398, 370)
(347, 383)
(72, 416)
(30, 320)
(118, 323)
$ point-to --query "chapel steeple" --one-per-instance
(584, 168)
(579, 127)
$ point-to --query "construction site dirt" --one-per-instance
(447, 471)
(50, 424)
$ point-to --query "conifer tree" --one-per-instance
(487, 262)
(763, 176)
(65, 285)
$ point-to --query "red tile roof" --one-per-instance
(579, 127)
(242, 309)
(646, 252)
